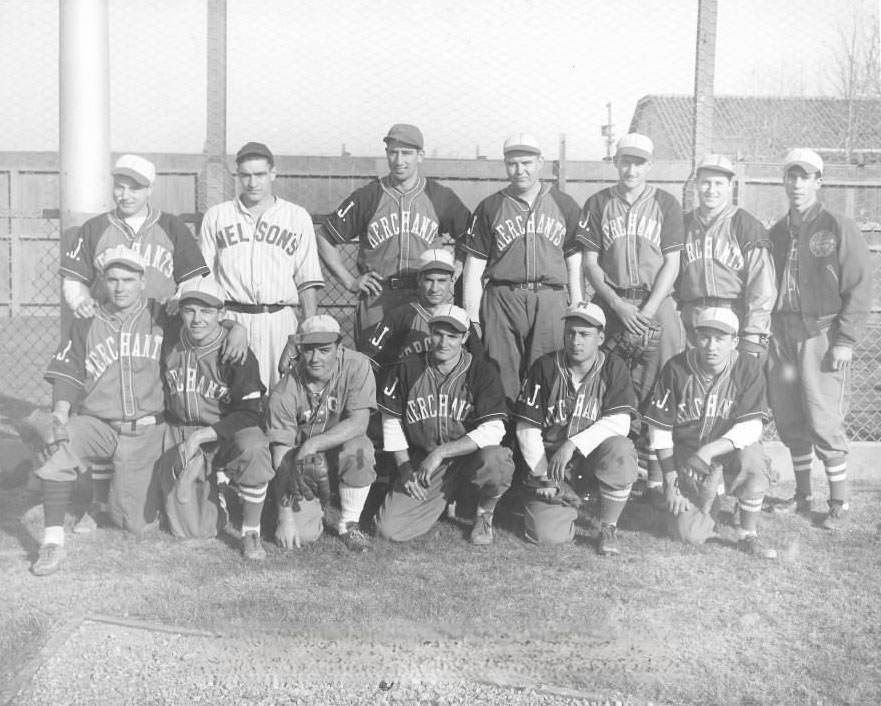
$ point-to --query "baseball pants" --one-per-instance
(611, 465)
(487, 472)
(267, 338)
(371, 310)
(520, 326)
(809, 399)
(135, 496)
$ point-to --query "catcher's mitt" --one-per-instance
(44, 433)
(304, 479)
(632, 346)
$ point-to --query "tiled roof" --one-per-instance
(763, 128)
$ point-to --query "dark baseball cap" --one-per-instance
(403, 134)
(255, 149)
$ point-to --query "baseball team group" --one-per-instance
(198, 379)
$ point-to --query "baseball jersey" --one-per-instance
(404, 332)
(550, 400)
(523, 243)
(202, 390)
(394, 228)
(699, 408)
(296, 413)
(264, 260)
(631, 239)
(434, 407)
(110, 364)
(729, 258)
(168, 248)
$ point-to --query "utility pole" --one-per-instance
(607, 131)
(704, 77)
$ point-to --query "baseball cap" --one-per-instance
(635, 145)
(717, 163)
(436, 259)
(125, 257)
(137, 168)
(588, 312)
(718, 318)
(802, 157)
(521, 142)
(320, 328)
(255, 149)
(404, 134)
(453, 315)
(203, 289)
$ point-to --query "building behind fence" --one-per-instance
(29, 239)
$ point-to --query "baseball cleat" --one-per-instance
(607, 542)
(798, 503)
(482, 533)
(355, 539)
(252, 547)
(752, 545)
(836, 516)
(49, 560)
(93, 518)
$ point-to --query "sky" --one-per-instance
(312, 76)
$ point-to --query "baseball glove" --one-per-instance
(44, 433)
(700, 481)
(191, 501)
(304, 479)
(565, 495)
(632, 346)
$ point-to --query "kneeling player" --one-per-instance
(317, 424)
(573, 415)
(705, 419)
(443, 419)
(213, 407)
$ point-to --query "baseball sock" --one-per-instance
(252, 506)
(801, 467)
(612, 503)
(351, 503)
(56, 499)
(836, 474)
(488, 506)
(102, 474)
(749, 514)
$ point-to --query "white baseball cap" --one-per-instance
(717, 163)
(635, 145)
(718, 318)
(320, 328)
(521, 142)
(437, 259)
(203, 289)
(454, 316)
(126, 257)
(802, 157)
(131, 165)
(587, 312)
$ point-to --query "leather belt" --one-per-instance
(532, 286)
(714, 302)
(407, 282)
(150, 420)
(255, 308)
(632, 293)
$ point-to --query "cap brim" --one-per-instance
(528, 149)
(807, 166)
(586, 319)
(450, 321)
(633, 152)
(137, 177)
(127, 264)
(716, 326)
(202, 297)
(393, 141)
(321, 337)
(718, 170)
(437, 265)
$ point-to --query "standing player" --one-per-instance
(705, 419)
(573, 416)
(261, 250)
(825, 292)
(107, 367)
(318, 415)
(632, 233)
(523, 239)
(213, 407)
(443, 419)
(395, 219)
(168, 249)
(726, 260)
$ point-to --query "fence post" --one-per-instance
(561, 164)
(214, 180)
(15, 284)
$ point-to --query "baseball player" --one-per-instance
(261, 250)
(705, 419)
(726, 260)
(170, 253)
(107, 366)
(394, 219)
(573, 416)
(443, 419)
(213, 408)
(522, 239)
(824, 280)
(318, 415)
(632, 233)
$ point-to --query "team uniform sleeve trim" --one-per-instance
(476, 253)
(202, 270)
(314, 284)
(55, 375)
(391, 412)
(67, 272)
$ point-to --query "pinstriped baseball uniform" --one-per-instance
(264, 261)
